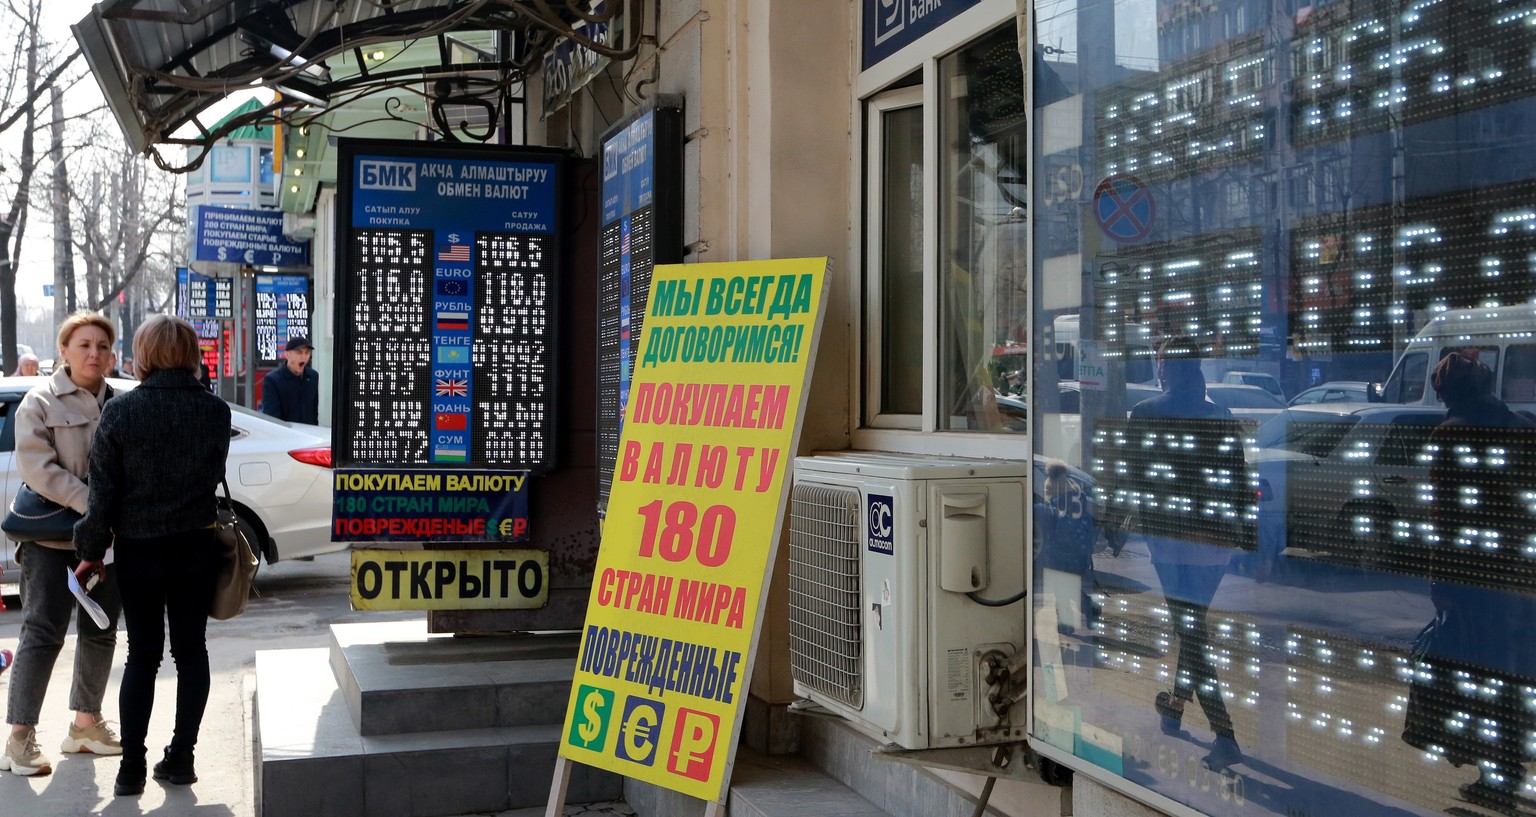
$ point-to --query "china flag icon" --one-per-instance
(449, 421)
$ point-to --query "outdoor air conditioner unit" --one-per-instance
(891, 556)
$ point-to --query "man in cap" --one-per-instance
(292, 391)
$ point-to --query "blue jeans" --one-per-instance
(167, 584)
(46, 604)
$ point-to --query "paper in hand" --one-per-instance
(87, 603)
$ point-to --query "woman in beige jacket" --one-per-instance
(54, 427)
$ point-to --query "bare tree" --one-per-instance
(130, 225)
(35, 65)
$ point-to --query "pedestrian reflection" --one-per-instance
(1067, 532)
(1471, 699)
(1195, 506)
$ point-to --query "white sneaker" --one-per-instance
(97, 739)
(22, 757)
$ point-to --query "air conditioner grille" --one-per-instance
(825, 543)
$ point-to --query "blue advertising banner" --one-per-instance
(569, 65)
(628, 168)
(282, 313)
(444, 194)
(891, 25)
(448, 293)
(253, 237)
(420, 505)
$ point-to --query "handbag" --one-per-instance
(36, 518)
(232, 587)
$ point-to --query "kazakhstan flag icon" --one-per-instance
(452, 354)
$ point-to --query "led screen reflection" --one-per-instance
(1306, 610)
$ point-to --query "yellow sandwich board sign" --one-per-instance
(693, 520)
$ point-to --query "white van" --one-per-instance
(1501, 337)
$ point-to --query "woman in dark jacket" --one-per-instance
(1466, 701)
(156, 463)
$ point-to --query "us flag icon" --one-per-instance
(453, 252)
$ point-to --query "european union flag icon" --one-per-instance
(452, 354)
(452, 287)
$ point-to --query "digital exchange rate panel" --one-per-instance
(477, 385)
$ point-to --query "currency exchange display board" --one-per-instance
(693, 519)
(282, 313)
(447, 313)
(642, 227)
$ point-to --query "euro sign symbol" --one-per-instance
(591, 721)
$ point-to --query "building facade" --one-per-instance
(1044, 215)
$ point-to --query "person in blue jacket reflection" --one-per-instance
(1189, 567)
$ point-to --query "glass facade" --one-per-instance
(1314, 609)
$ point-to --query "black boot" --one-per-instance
(176, 767)
(130, 777)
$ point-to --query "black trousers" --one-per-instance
(167, 585)
(1189, 590)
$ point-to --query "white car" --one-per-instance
(1342, 481)
(279, 475)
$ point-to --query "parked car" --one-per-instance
(1263, 380)
(1337, 391)
(1245, 402)
(1343, 481)
(1014, 412)
(279, 477)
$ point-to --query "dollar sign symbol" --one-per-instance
(589, 726)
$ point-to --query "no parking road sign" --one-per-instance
(1123, 208)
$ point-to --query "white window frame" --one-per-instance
(877, 108)
(872, 431)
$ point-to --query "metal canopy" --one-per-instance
(160, 63)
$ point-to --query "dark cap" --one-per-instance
(298, 342)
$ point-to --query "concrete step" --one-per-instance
(761, 786)
(786, 786)
(312, 760)
(396, 678)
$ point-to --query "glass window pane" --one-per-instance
(1334, 196)
(983, 263)
(1520, 374)
(901, 262)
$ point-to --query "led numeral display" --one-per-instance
(1183, 479)
(1364, 65)
(392, 280)
(615, 249)
(1351, 288)
(1209, 289)
(1204, 112)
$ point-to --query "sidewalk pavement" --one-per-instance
(81, 784)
